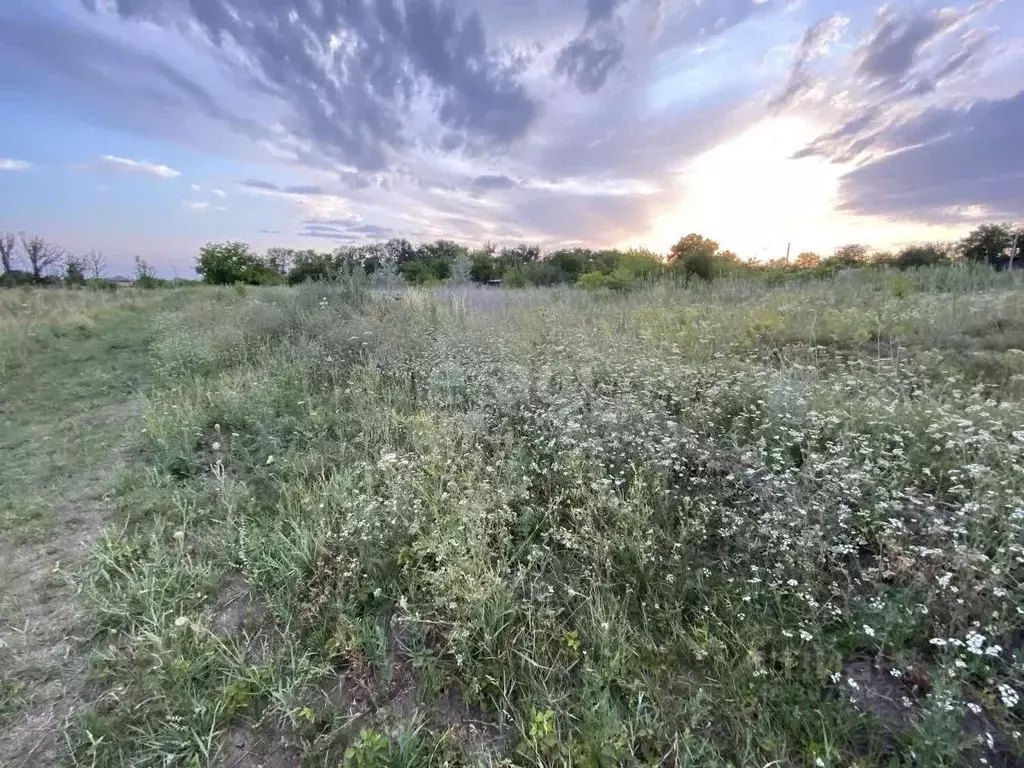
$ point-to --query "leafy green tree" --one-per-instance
(280, 260)
(920, 256)
(418, 273)
(484, 267)
(312, 266)
(642, 263)
(987, 244)
(232, 262)
(807, 260)
(74, 270)
(571, 262)
(145, 275)
(519, 255)
(694, 255)
(849, 256)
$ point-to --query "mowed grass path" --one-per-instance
(71, 367)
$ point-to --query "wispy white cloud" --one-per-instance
(9, 164)
(127, 165)
(219, 192)
(195, 205)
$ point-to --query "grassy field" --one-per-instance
(731, 524)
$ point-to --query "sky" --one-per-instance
(153, 126)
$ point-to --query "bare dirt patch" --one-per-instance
(243, 747)
(236, 608)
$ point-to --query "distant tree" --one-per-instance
(519, 255)
(145, 274)
(920, 256)
(233, 262)
(280, 260)
(849, 256)
(399, 251)
(313, 266)
(694, 255)
(41, 255)
(7, 244)
(418, 273)
(95, 264)
(462, 270)
(641, 263)
(987, 244)
(74, 269)
(484, 267)
(606, 261)
(439, 256)
(572, 262)
(807, 260)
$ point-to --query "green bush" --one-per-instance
(594, 281)
(920, 256)
(232, 262)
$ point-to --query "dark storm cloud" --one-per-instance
(350, 68)
(948, 158)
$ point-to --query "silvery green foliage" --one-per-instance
(461, 270)
(387, 277)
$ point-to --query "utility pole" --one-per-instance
(789, 246)
(1013, 248)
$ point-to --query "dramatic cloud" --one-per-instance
(351, 71)
(896, 43)
(126, 165)
(8, 164)
(587, 61)
(919, 156)
(948, 160)
(591, 121)
(816, 43)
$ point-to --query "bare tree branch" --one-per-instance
(42, 256)
(96, 264)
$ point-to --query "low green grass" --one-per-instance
(71, 367)
(728, 524)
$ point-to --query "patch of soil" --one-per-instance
(242, 747)
(991, 742)
(236, 609)
(479, 737)
(872, 687)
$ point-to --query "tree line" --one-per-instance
(33, 260)
(693, 256)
